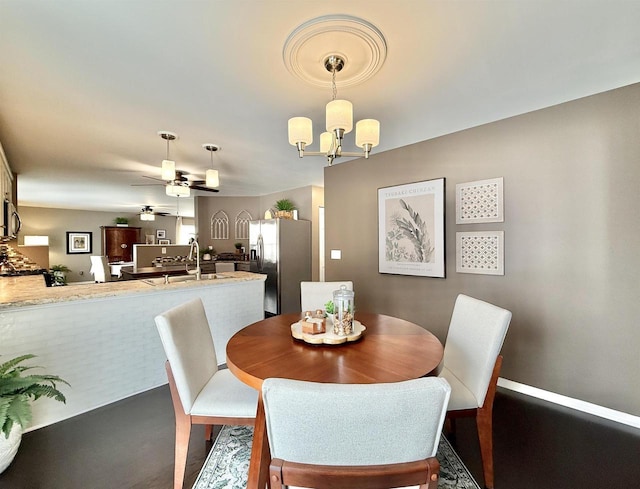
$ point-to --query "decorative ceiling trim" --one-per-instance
(360, 43)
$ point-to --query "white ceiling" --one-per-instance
(86, 84)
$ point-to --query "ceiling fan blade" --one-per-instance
(153, 178)
(206, 189)
(196, 182)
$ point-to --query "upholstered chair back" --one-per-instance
(314, 295)
(354, 424)
(100, 269)
(474, 340)
(186, 338)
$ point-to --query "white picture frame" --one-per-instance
(480, 201)
(480, 252)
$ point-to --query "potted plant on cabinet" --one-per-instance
(17, 390)
(285, 208)
(122, 221)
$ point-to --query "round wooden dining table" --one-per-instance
(390, 350)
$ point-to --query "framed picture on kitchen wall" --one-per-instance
(411, 229)
(78, 242)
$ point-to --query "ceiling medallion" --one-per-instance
(359, 43)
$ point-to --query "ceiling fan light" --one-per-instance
(367, 132)
(300, 131)
(173, 190)
(147, 216)
(326, 141)
(168, 170)
(339, 115)
(212, 180)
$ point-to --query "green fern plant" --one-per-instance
(18, 390)
(285, 205)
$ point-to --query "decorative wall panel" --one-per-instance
(480, 201)
(242, 225)
(480, 252)
(220, 225)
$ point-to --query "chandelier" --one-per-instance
(339, 121)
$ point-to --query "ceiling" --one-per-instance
(86, 85)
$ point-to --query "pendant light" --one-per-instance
(212, 179)
(168, 166)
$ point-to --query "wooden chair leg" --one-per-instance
(208, 432)
(450, 430)
(183, 433)
(484, 422)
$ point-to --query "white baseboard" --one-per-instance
(584, 406)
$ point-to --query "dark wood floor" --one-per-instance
(129, 444)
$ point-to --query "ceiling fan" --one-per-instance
(147, 209)
(175, 181)
(180, 180)
(148, 214)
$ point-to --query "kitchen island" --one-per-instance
(102, 339)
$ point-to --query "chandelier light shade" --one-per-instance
(176, 190)
(339, 121)
(340, 116)
(367, 134)
(326, 140)
(300, 130)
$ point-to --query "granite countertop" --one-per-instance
(30, 290)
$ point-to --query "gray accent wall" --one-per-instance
(571, 232)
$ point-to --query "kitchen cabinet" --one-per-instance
(117, 242)
(6, 190)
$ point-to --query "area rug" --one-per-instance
(227, 464)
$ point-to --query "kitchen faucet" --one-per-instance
(194, 242)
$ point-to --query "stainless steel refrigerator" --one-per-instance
(281, 249)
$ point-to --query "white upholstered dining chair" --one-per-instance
(471, 365)
(201, 393)
(354, 435)
(100, 269)
(314, 295)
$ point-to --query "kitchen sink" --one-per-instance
(183, 278)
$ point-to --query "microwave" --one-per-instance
(10, 220)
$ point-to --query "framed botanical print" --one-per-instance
(411, 229)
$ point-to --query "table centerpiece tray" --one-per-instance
(328, 338)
